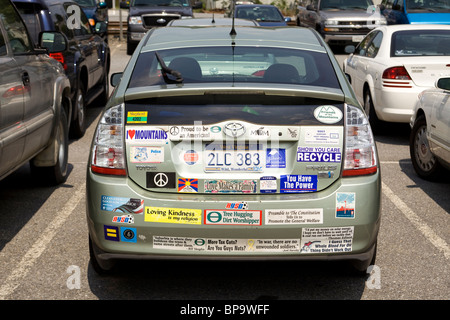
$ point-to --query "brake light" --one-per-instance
(360, 154)
(108, 147)
(396, 73)
(59, 57)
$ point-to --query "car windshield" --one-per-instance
(234, 64)
(160, 3)
(259, 13)
(345, 4)
(420, 43)
(428, 5)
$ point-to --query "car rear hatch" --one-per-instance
(425, 74)
(225, 142)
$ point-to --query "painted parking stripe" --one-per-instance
(429, 234)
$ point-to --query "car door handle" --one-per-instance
(25, 78)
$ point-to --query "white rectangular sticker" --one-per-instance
(233, 217)
(146, 154)
(294, 216)
(327, 240)
(322, 136)
(226, 245)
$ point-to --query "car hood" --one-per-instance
(135, 11)
(429, 18)
(347, 15)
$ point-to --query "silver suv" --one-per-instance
(34, 101)
(340, 22)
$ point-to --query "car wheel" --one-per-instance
(78, 125)
(424, 162)
(102, 267)
(369, 108)
(57, 173)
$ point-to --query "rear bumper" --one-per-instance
(181, 239)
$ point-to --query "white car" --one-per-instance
(393, 64)
(430, 134)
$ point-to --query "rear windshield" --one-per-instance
(234, 64)
(420, 43)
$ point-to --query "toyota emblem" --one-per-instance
(234, 129)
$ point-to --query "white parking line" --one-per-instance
(28, 260)
(429, 234)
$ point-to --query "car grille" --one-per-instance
(355, 27)
(158, 20)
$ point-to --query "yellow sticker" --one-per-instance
(173, 215)
(137, 117)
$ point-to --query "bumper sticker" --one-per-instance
(298, 183)
(294, 216)
(120, 204)
(225, 245)
(327, 240)
(345, 205)
(233, 217)
(173, 215)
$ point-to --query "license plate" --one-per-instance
(234, 157)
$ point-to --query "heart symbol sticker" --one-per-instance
(131, 133)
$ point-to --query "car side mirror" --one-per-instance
(53, 41)
(124, 4)
(115, 78)
(443, 83)
(287, 19)
(349, 49)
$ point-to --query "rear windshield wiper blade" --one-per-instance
(166, 70)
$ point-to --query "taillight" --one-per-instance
(360, 154)
(396, 77)
(59, 57)
(108, 148)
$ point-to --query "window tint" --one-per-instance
(77, 20)
(361, 49)
(241, 64)
(420, 43)
(15, 29)
(374, 45)
(29, 13)
(2, 45)
(59, 20)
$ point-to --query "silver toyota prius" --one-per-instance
(233, 143)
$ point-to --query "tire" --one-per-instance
(375, 123)
(130, 48)
(58, 173)
(425, 164)
(78, 125)
(101, 267)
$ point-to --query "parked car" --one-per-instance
(144, 15)
(249, 145)
(430, 134)
(86, 59)
(416, 11)
(393, 64)
(265, 14)
(34, 101)
(96, 11)
(340, 22)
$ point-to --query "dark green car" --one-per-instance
(233, 143)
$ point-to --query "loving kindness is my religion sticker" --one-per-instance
(328, 114)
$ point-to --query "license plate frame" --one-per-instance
(234, 157)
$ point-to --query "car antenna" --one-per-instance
(166, 70)
(233, 31)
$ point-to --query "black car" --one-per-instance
(96, 11)
(86, 59)
(34, 101)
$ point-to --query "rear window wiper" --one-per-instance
(166, 70)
